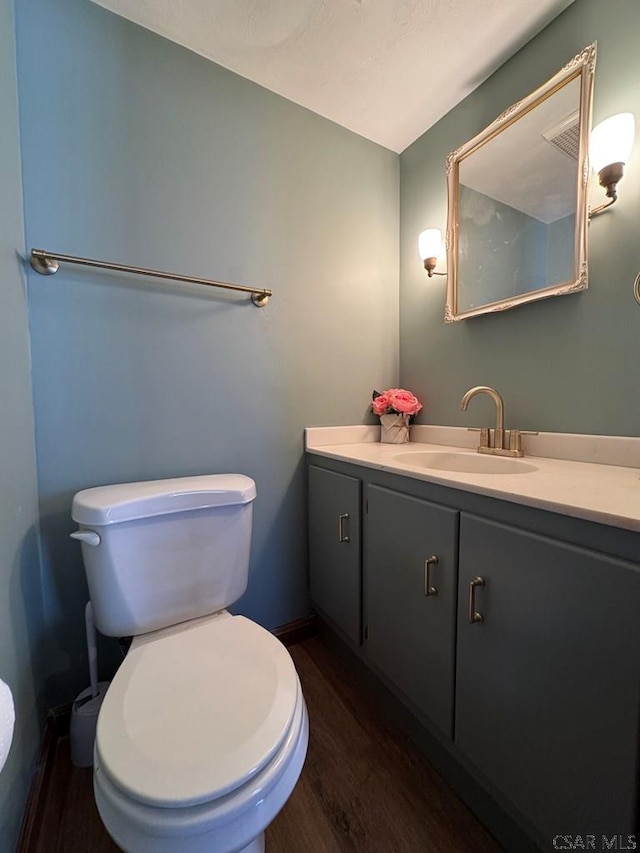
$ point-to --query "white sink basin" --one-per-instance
(464, 462)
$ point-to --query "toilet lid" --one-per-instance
(196, 710)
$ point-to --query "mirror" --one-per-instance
(517, 200)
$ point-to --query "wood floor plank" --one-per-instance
(302, 825)
(364, 787)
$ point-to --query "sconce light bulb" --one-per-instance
(430, 245)
(612, 141)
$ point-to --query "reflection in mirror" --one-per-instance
(517, 200)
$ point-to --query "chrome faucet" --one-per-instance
(498, 441)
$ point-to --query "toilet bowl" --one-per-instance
(203, 732)
(201, 738)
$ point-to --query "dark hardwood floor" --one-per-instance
(364, 787)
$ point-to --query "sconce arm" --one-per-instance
(609, 177)
(430, 267)
(594, 211)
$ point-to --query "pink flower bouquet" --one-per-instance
(396, 409)
(395, 401)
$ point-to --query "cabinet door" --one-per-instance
(547, 683)
(334, 539)
(410, 623)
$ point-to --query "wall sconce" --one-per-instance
(610, 147)
(429, 248)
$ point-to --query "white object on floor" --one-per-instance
(84, 719)
(7, 720)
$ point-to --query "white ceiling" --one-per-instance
(541, 181)
(386, 69)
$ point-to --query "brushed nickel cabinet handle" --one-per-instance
(342, 536)
(474, 616)
(428, 589)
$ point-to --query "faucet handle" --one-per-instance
(515, 441)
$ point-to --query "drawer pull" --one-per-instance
(428, 589)
(474, 616)
(342, 536)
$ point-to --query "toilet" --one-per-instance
(203, 732)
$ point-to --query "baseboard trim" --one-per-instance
(55, 727)
(298, 631)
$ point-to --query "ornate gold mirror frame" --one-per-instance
(494, 255)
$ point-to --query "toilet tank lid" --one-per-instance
(129, 501)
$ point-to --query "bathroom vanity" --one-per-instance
(501, 608)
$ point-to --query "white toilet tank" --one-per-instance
(164, 551)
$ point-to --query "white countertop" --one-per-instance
(605, 493)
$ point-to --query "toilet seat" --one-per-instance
(196, 711)
(234, 822)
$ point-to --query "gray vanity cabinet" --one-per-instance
(335, 547)
(526, 663)
(547, 683)
(410, 598)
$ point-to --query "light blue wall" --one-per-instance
(567, 364)
(21, 637)
(137, 151)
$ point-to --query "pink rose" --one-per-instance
(403, 401)
(381, 404)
